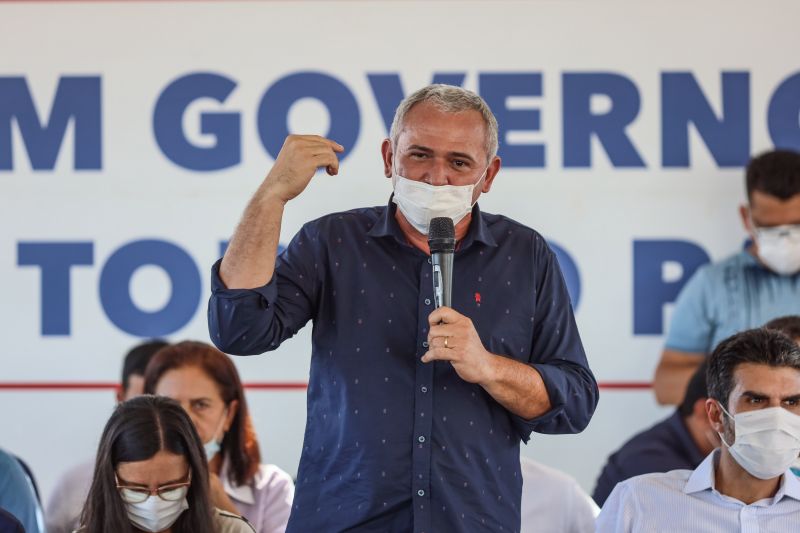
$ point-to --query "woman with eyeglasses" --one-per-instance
(206, 384)
(150, 475)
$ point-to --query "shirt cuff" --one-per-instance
(268, 293)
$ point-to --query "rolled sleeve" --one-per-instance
(253, 321)
(558, 356)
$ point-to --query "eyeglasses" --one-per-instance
(171, 493)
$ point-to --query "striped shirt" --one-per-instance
(686, 501)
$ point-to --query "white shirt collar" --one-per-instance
(703, 479)
(242, 493)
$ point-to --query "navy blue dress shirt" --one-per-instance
(664, 447)
(391, 443)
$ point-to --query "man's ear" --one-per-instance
(714, 414)
(388, 157)
(491, 172)
(744, 213)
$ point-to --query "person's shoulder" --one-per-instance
(536, 475)
(271, 476)
(534, 470)
(365, 216)
(733, 263)
(507, 230)
(231, 523)
(649, 486)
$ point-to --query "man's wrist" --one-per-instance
(490, 372)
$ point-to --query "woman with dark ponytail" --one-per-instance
(151, 475)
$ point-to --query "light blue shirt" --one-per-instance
(724, 298)
(17, 495)
(685, 501)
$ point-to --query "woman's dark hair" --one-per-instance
(137, 430)
(760, 346)
(240, 445)
(776, 173)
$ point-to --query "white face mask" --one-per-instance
(420, 202)
(779, 248)
(767, 441)
(213, 446)
(156, 514)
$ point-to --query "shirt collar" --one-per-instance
(703, 479)
(242, 493)
(386, 226)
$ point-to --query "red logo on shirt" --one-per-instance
(477, 297)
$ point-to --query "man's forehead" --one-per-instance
(426, 124)
(766, 379)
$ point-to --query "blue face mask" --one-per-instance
(214, 446)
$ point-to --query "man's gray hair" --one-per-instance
(450, 99)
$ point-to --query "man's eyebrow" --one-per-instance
(755, 395)
(792, 398)
(419, 148)
(460, 155)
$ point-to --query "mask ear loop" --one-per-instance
(721, 435)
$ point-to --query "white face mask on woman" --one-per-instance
(213, 446)
(767, 441)
(420, 202)
(157, 514)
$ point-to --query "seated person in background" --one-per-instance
(205, 382)
(69, 494)
(678, 442)
(17, 496)
(9, 523)
(151, 475)
(745, 485)
(747, 289)
(788, 325)
(553, 501)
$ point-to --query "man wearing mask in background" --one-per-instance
(747, 289)
(69, 494)
(681, 441)
(745, 485)
(415, 415)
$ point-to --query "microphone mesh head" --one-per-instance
(441, 228)
(441, 235)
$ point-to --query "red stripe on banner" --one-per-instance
(255, 385)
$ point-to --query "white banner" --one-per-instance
(133, 134)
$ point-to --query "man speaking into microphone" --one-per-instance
(415, 413)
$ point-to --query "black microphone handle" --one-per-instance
(442, 279)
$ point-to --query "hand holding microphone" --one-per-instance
(452, 336)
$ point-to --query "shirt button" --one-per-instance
(424, 344)
(421, 438)
(424, 389)
(420, 492)
(427, 301)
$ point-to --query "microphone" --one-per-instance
(442, 242)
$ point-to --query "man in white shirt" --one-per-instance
(746, 485)
(552, 501)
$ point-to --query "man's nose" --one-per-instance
(439, 173)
